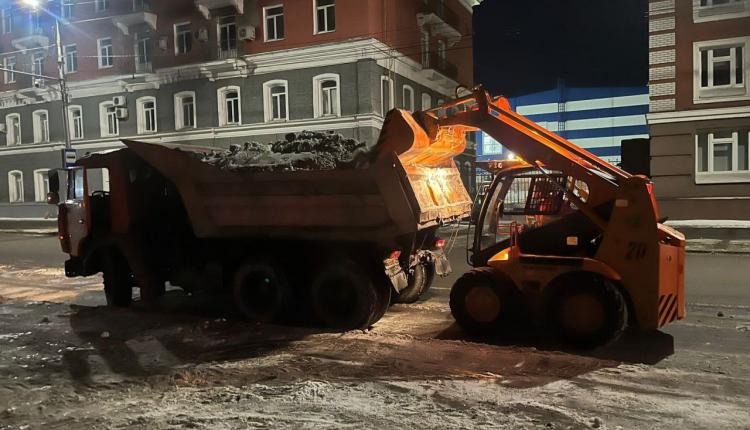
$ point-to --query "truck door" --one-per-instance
(75, 211)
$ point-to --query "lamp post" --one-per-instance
(35, 5)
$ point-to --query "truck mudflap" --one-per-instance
(442, 265)
(396, 274)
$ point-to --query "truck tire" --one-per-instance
(417, 282)
(261, 291)
(483, 302)
(118, 286)
(588, 311)
(345, 296)
(429, 268)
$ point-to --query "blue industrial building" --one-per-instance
(597, 119)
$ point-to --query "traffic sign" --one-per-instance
(68, 157)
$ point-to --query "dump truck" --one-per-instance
(561, 239)
(337, 243)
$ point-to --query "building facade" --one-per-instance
(699, 116)
(210, 73)
(597, 119)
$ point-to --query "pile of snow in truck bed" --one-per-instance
(306, 150)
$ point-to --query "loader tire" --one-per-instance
(118, 286)
(417, 282)
(588, 312)
(483, 302)
(345, 295)
(261, 291)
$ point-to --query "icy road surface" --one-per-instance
(68, 362)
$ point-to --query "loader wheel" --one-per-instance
(417, 283)
(345, 295)
(588, 312)
(118, 286)
(261, 291)
(481, 301)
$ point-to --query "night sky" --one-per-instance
(524, 46)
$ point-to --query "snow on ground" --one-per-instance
(188, 365)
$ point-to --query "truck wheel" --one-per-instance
(261, 291)
(481, 301)
(588, 312)
(118, 287)
(343, 295)
(417, 282)
(429, 268)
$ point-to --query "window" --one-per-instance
(70, 52)
(37, 66)
(490, 146)
(66, 9)
(9, 63)
(722, 156)
(325, 16)
(227, 35)
(408, 97)
(146, 107)
(143, 55)
(229, 106)
(41, 126)
(386, 95)
(426, 101)
(425, 44)
(15, 186)
(721, 70)
(75, 122)
(101, 5)
(326, 95)
(13, 129)
(184, 110)
(104, 47)
(35, 22)
(41, 184)
(274, 19)
(109, 124)
(275, 101)
(713, 10)
(183, 39)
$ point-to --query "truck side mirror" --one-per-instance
(53, 198)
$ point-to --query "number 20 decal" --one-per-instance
(636, 251)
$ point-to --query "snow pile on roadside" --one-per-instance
(709, 223)
(306, 150)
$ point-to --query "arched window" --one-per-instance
(387, 95)
(109, 124)
(184, 110)
(408, 97)
(41, 184)
(276, 101)
(41, 126)
(146, 109)
(230, 111)
(426, 101)
(326, 95)
(75, 122)
(13, 129)
(15, 186)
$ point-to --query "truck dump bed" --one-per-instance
(394, 196)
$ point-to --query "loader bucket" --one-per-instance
(429, 165)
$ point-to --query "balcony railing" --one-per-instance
(441, 10)
(225, 54)
(144, 67)
(439, 64)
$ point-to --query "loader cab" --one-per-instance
(533, 202)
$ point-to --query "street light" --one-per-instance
(35, 5)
